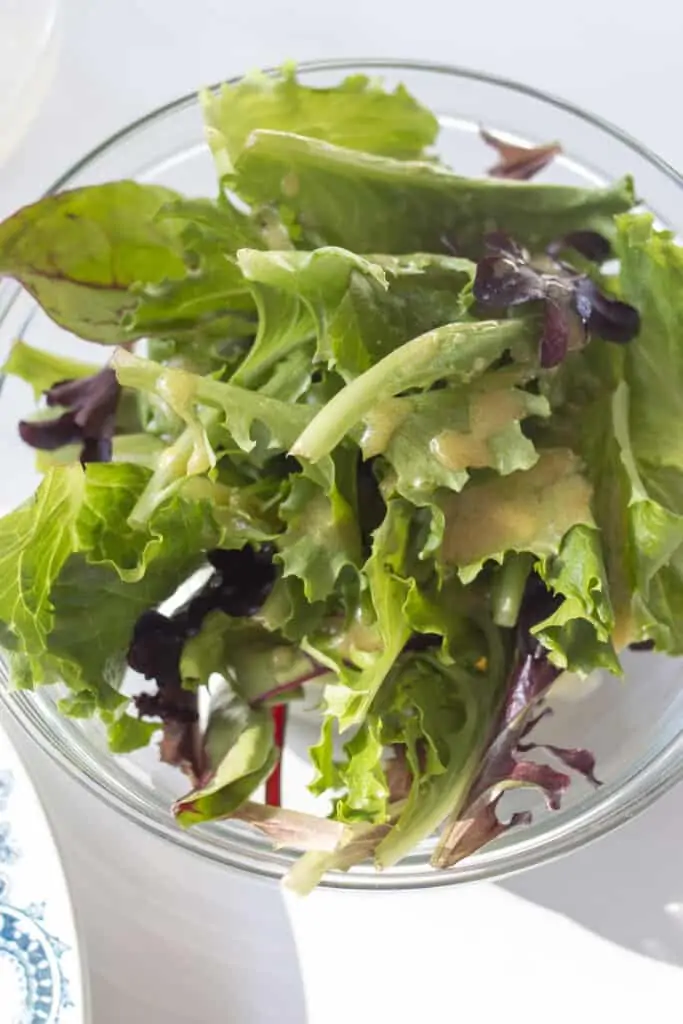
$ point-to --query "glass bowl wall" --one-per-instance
(632, 725)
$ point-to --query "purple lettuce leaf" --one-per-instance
(589, 244)
(240, 583)
(574, 307)
(155, 653)
(89, 419)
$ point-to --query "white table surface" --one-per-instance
(170, 940)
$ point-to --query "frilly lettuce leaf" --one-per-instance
(217, 226)
(351, 199)
(440, 716)
(321, 536)
(651, 278)
(459, 351)
(205, 405)
(541, 518)
(433, 440)
(358, 309)
(616, 409)
(525, 511)
(362, 776)
(326, 770)
(454, 714)
(210, 306)
(239, 408)
(298, 295)
(357, 113)
(350, 697)
(579, 633)
(38, 538)
(79, 253)
(654, 554)
(287, 611)
(71, 542)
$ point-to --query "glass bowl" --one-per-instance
(632, 725)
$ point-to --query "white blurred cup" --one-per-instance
(28, 53)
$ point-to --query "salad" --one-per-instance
(408, 443)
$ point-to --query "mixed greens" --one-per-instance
(406, 439)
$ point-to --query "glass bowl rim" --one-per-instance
(632, 795)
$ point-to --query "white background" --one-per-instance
(170, 940)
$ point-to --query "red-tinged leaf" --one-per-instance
(182, 747)
(293, 829)
(398, 774)
(479, 826)
(502, 767)
(533, 721)
(577, 758)
(551, 782)
(519, 163)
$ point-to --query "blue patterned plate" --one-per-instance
(40, 973)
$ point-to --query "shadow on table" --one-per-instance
(627, 887)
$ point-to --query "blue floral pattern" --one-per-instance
(29, 955)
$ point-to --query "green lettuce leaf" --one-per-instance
(37, 540)
(321, 537)
(615, 407)
(217, 226)
(526, 511)
(126, 733)
(297, 294)
(449, 713)
(651, 279)
(654, 554)
(433, 440)
(205, 405)
(70, 542)
(204, 314)
(459, 351)
(326, 775)
(43, 369)
(255, 661)
(240, 409)
(440, 716)
(357, 113)
(350, 697)
(363, 778)
(579, 633)
(351, 199)
(358, 309)
(241, 754)
(79, 254)
(287, 611)
(291, 377)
